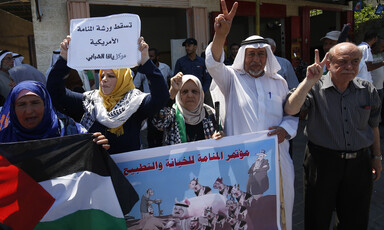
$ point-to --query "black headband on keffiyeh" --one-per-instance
(3, 53)
(253, 41)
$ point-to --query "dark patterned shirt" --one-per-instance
(165, 121)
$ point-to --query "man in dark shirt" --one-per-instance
(233, 49)
(193, 64)
(343, 153)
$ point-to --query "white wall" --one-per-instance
(50, 31)
(177, 51)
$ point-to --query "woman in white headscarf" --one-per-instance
(188, 119)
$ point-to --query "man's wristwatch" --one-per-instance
(375, 157)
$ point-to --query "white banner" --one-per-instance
(231, 183)
(105, 42)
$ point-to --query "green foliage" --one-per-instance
(366, 14)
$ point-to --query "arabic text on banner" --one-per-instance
(232, 183)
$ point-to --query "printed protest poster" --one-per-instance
(231, 183)
(104, 42)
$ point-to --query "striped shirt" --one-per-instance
(342, 120)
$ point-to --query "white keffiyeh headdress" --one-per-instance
(255, 41)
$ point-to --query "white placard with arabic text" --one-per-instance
(105, 42)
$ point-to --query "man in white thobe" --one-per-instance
(365, 66)
(6, 82)
(254, 95)
(140, 80)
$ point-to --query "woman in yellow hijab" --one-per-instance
(117, 109)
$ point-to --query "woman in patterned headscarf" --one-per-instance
(117, 109)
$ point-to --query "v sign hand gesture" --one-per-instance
(222, 27)
(315, 71)
(223, 21)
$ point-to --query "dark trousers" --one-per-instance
(331, 182)
(381, 95)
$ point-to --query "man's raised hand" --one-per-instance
(223, 21)
(64, 46)
(315, 71)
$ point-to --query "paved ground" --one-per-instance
(377, 202)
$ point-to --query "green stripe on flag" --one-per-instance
(91, 219)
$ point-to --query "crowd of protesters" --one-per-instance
(258, 91)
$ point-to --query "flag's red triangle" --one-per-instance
(23, 202)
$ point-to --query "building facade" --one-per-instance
(295, 25)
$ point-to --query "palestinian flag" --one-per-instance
(21, 198)
(76, 185)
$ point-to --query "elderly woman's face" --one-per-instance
(190, 95)
(29, 111)
(108, 81)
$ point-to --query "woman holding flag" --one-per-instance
(31, 116)
(56, 183)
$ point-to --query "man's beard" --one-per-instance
(6, 67)
(256, 73)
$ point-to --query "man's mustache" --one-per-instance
(255, 63)
(348, 71)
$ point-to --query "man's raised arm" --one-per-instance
(297, 98)
(222, 27)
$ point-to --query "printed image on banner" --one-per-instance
(232, 183)
(105, 42)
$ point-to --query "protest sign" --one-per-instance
(104, 42)
(231, 183)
